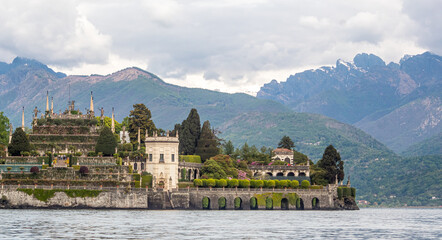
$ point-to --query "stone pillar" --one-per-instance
(47, 101)
(91, 106)
(139, 139)
(52, 105)
(113, 123)
(23, 119)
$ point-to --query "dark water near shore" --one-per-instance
(143, 224)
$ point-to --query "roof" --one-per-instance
(283, 150)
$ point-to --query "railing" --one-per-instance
(67, 187)
(281, 190)
(278, 167)
(190, 165)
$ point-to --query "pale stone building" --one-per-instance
(162, 160)
(283, 154)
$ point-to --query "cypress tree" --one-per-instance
(19, 143)
(106, 142)
(140, 117)
(190, 132)
(332, 164)
(207, 143)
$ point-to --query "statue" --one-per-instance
(35, 112)
(102, 112)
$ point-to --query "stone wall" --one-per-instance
(107, 199)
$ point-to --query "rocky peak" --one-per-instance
(367, 61)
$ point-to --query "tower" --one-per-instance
(162, 160)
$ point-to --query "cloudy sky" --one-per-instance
(232, 45)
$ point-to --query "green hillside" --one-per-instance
(431, 146)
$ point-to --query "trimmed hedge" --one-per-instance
(346, 192)
(305, 184)
(190, 158)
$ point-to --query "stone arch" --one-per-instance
(257, 174)
(189, 174)
(206, 203)
(291, 174)
(269, 203)
(280, 174)
(277, 158)
(237, 203)
(284, 204)
(222, 203)
(302, 174)
(315, 203)
(287, 160)
(299, 204)
(253, 203)
(270, 174)
(195, 174)
(135, 166)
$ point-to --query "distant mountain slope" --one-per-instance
(430, 146)
(371, 95)
(240, 117)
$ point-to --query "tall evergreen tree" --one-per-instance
(19, 143)
(208, 144)
(286, 142)
(229, 148)
(140, 117)
(106, 142)
(332, 164)
(190, 132)
(4, 129)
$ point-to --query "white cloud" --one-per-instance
(226, 45)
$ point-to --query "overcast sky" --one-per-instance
(235, 45)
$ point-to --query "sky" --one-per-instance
(231, 45)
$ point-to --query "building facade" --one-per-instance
(283, 154)
(162, 160)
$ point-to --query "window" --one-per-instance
(150, 157)
(173, 157)
(161, 157)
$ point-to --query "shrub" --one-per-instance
(277, 183)
(269, 203)
(211, 182)
(25, 153)
(78, 154)
(221, 183)
(222, 203)
(284, 183)
(9, 168)
(136, 176)
(237, 203)
(259, 183)
(244, 183)
(347, 192)
(316, 187)
(270, 183)
(253, 183)
(206, 203)
(305, 184)
(19, 143)
(183, 173)
(204, 182)
(233, 183)
(253, 203)
(294, 184)
(84, 170)
(91, 154)
(340, 192)
(353, 192)
(34, 170)
(146, 180)
(198, 182)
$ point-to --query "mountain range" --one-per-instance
(240, 118)
(397, 103)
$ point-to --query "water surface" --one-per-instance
(173, 224)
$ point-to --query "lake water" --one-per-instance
(145, 224)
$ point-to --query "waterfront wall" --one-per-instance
(299, 199)
(121, 199)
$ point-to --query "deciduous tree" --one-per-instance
(286, 142)
(140, 117)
